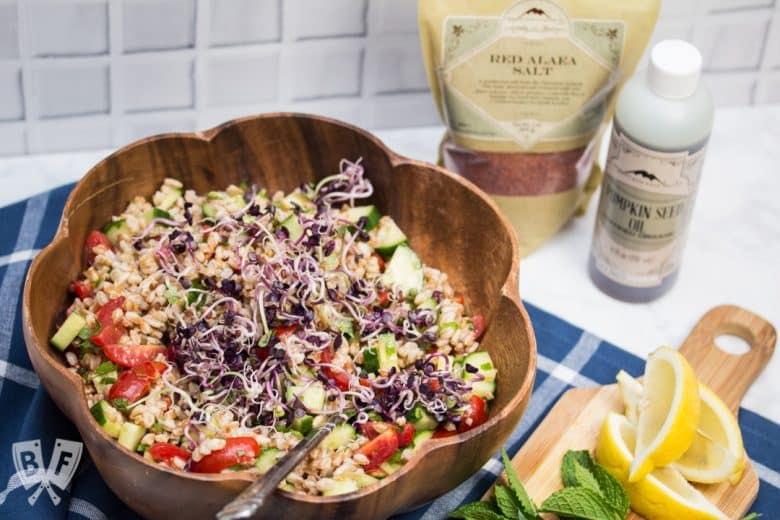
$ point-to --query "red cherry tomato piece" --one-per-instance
(434, 384)
(82, 289)
(382, 297)
(135, 383)
(285, 332)
(458, 298)
(164, 451)
(441, 433)
(475, 414)
(105, 314)
(129, 386)
(108, 335)
(94, 239)
(379, 449)
(373, 429)
(405, 435)
(479, 325)
(132, 355)
(237, 450)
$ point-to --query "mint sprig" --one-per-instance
(590, 493)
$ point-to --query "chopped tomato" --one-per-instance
(382, 297)
(82, 289)
(111, 330)
(105, 314)
(129, 386)
(442, 433)
(365, 382)
(405, 435)
(263, 353)
(136, 382)
(108, 335)
(237, 451)
(94, 239)
(475, 414)
(132, 355)
(434, 384)
(285, 332)
(380, 261)
(458, 298)
(479, 325)
(340, 376)
(379, 449)
(164, 451)
(372, 429)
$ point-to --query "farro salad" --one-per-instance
(212, 332)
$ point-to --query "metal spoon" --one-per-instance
(253, 497)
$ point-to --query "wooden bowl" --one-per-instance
(451, 224)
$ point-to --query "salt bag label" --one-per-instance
(530, 76)
(646, 202)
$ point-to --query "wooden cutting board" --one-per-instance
(575, 420)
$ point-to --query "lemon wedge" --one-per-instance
(716, 453)
(663, 494)
(668, 417)
(630, 392)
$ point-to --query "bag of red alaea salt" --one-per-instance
(525, 89)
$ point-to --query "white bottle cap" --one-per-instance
(675, 67)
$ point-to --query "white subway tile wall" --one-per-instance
(80, 74)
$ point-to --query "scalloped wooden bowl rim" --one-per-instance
(509, 289)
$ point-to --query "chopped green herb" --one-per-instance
(142, 448)
(105, 367)
(121, 404)
(85, 333)
(157, 428)
(370, 360)
(108, 381)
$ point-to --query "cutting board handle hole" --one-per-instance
(732, 344)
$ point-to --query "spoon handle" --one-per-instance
(252, 498)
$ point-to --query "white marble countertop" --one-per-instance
(733, 254)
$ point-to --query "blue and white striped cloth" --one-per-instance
(568, 357)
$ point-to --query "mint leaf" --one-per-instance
(753, 516)
(527, 505)
(585, 478)
(612, 491)
(506, 501)
(476, 511)
(579, 502)
(570, 461)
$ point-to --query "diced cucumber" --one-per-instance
(303, 424)
(130, 435)
(371, 214)
(347, 327)
(68, 330)
(484, 389)
(387, 352)
(390, 467)
(341, 436)
(450, 325)
(421, 438)
(421, 419)
(215, 195)
(267, 459)
(429, 303)
(293, 227)
(98, 380)
(443, 364)
(209, 210)
(170, 199)
(297, 198)
(331, 262)
(363, 480)
(484, 365)
(340, 487)
(404, 271)
(388, 237)
(312, 397)
(108, 418)
(114, 228)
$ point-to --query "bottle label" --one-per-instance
(646, 202)
(531, 75)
